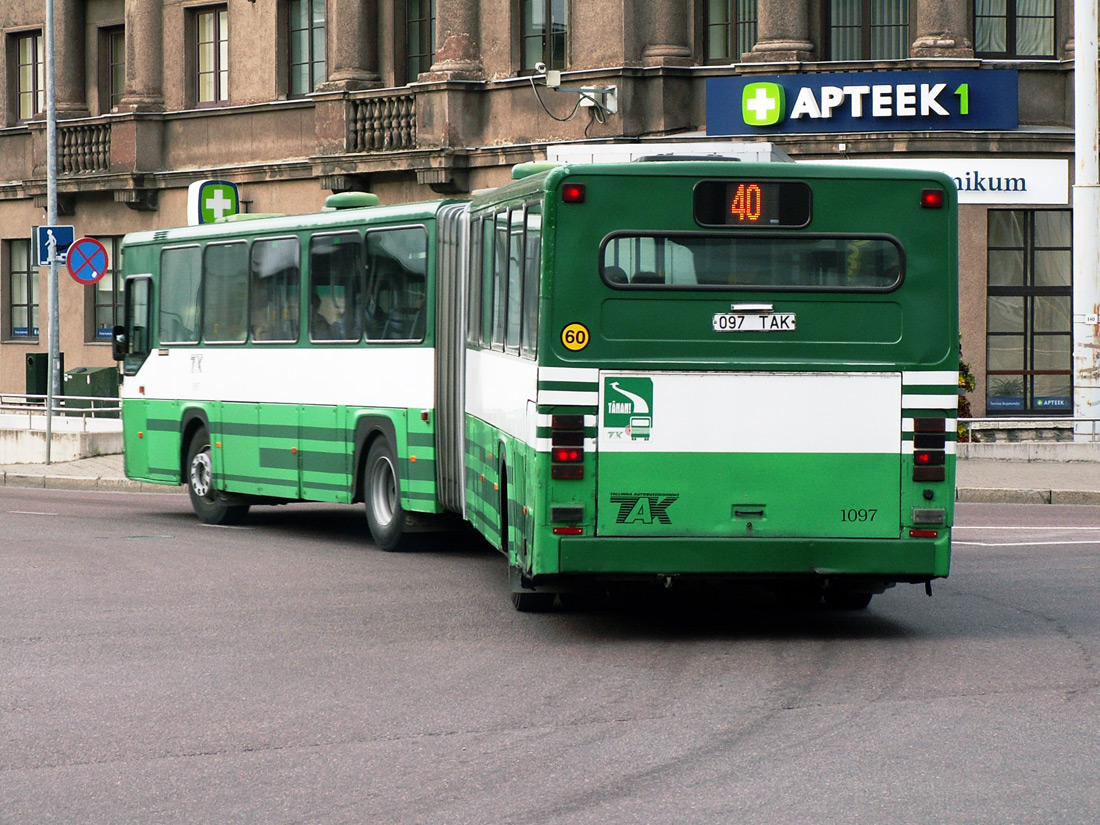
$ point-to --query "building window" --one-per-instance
(30, 55)
(106, 294)
(307, 45)
(212, 56)
(1029, 323)
(1014, 28)
(729, 29)
(22, 290)
(868, 29)
(112, 63)
(419, 37)
(545, 29)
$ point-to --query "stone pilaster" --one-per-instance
(144, 90)
(782, 33)
(669, 43)
(69, 59)
(352, 27)
(457, 47)
(942, 27)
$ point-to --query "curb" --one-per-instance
(87, 483)
(993, 495)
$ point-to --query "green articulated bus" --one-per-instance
(666, 370)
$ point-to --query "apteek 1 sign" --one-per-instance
(863, 102)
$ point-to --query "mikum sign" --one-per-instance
(990, 180)
(863, 102)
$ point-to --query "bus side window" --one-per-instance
(336, 272)
(180, 293)
(138, 315)
(225, 293)
(532, 263)
(273, 292)
(396, 291)
(516, 256)
(488, 259)
(473, 299)
(500, 280)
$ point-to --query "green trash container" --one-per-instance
(93, 383)
(38, 371)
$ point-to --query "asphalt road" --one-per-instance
(153, 670)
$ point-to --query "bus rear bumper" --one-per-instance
(893, 559)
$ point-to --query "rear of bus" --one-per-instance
(759, 363)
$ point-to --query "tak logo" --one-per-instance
(762, 104)
(644, 509)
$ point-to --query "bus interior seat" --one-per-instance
(615, 275)
(646, 277)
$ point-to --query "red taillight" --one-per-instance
(568, 531)
(932, 198)
(569, 455)
(567, 447)
(923, 534)
(929, 449)
(572, 192)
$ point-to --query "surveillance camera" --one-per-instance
(540, 68)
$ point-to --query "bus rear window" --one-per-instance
(752, 263)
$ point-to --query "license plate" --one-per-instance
(754, 322)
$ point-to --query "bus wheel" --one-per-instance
(530, 601)
(525, 599)
(846, 600)
(208, 504)
(382, 496)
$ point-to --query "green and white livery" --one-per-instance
(666, 370)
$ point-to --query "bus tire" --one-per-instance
(386, 518)
(846, 600)
(207, 502)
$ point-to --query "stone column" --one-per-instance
(457, 47)
(352, 46)
(144, 57)
(782, 33)
(668, 42)
(942, 27)
(69, 59)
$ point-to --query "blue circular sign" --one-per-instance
(86, 260)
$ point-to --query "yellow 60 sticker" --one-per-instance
(575, 337)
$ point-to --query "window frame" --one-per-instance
(407, 54)
(737, 33)
(36, 93)
(315, 64)
(865, 28)
(219, 70)
(1028, 291)
(546, 53)
(112, 67)
(31, 305)
(1011, 17)
(94, 334)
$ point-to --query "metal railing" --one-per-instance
(84, 407)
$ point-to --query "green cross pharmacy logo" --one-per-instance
(218, 200)
(762, 104)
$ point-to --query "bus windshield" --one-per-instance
(703, 261)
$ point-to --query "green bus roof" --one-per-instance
(398, 213)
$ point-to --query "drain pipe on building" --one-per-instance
(1086, 219)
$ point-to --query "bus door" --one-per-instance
(749, 454)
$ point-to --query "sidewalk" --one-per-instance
(101, 472)
(977, 480)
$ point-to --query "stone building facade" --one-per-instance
(296, 99)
